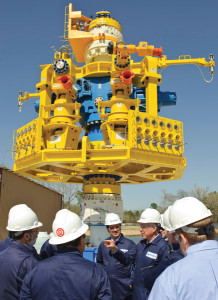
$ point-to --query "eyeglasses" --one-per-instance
(114, 227)
(146, 225)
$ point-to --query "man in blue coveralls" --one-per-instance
(175, 253)
(196, 275)
(152, 254)
(6, 243)
(67, 275)
(47, 250)
(117, 256)
(18, 259)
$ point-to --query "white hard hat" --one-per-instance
(186, 211)
(112, 219)
(150, 215)
(22, 218)
(67, 226)
(165, 222)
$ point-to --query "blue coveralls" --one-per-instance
(15, 262)
(151, 260)
(48, 250)
(6, 243)
(119, 266)
(67, 276)
(194, 277)
(174, 256)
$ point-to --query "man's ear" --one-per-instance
(27, 236)
(155, 228)
(184, 244)
(185, 240)
(81, 241)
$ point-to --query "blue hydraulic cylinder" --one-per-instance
(36, 105)
(37, 102)
(164, 98)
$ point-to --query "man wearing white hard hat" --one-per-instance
(196, 275)
(67, 275)
(175, 253)
(117, 256)
(152, 254)
(18, 259)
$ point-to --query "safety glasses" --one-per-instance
(143, 226)
(114, 227)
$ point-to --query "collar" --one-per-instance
(68, 249)
(155, 241)
(20, 246)
(120, 239)
(206, 245)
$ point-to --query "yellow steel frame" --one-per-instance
(139, 147)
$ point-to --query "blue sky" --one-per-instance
(30, 28)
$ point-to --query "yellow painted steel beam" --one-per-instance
(183, 60)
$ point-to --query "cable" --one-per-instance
(208, 81)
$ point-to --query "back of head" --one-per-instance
(191, 217)
(67, 226)
(22, 218)
(150, 215)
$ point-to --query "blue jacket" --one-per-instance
(151, 260)
(174, 256)
(194, 277)
(48, 250)
(15, 262)
(118, 266)
(67, 276)
(6, 243)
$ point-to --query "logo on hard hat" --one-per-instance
(60, 232)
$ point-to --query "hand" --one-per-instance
(110, 245)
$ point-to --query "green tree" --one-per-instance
(153, 205)
(71, 193)
(210, 199)
(131, 216)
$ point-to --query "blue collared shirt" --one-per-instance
(194, 277)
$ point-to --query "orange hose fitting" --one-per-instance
(66, 81)
(158, 52)
(126, 77)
